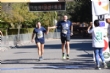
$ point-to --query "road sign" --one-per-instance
(47, 6)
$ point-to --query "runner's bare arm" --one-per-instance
(53, 27)
(91, 24)
(72, 29)
(88, 30)
(47, 31)
(32, 37)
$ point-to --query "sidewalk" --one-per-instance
(24, 59)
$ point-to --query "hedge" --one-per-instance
(15, 31)
(22, 31)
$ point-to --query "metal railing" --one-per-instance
(4, 43)
(21, 39)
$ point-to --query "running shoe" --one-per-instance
(104, 65)
(40, 58)
(98, 68)
(67, 57)
(63, 56)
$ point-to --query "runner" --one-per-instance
(108, 21)
(98, 43)
(66, 31)
(39, 39)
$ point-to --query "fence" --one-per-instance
(4, 44)
(27, 37)
(13, 41)
(21, 39)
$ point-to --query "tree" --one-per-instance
(78, 10)
(82, 11)
(16, 14)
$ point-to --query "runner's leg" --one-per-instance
(67, 49)
(67, 46)
(63, 46)
(42, 49)
(39, 49)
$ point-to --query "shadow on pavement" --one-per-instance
(84, 60)
(78, 46)
(76, 63)
(65, 64)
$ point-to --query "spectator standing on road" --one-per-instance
(66, 31)
(1, 39)
(39, 39)
(1, 34)
(108, 21)
(98, 43)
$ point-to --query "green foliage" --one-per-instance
(30, 30)
(47, 18)
(4, 25)
(78, 11)
(16, 14)
(12, 31)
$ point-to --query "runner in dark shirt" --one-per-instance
(39, 39)
(66, 31)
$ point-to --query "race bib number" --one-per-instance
(65, 27)
(99, 36)
(64, 31)
(40, 34)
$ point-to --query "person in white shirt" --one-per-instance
(108, 21)
(97, 42)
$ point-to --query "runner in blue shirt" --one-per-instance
(39, 39)
(66, 31)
